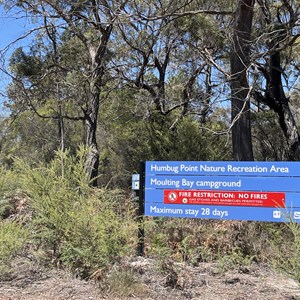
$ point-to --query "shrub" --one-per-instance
(8, 187)
(99, 232)
(286, 249)
(195, 241)
(83, 228)
(12, 239)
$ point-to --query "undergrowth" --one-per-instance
(286, 250)
(84, 229)
(72, 225)
(8, 186)
(230, 244)
(197, 241)
(13, 237)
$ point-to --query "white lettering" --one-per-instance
(167, 168)
(279, 169)
(165, 182)
(165, 210)
(206, 168)
(220, 213)
(188, 168)
(193, 212)
(240, 169)
(218, 184)
(188, 183)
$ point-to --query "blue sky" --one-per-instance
(13, 25)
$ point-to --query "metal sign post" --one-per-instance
(141, 211)
(138, 185)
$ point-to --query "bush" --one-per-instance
(99, 232)
(286, 249)
(8, 187)
(195, 241)
(12, 239)
(82, 228)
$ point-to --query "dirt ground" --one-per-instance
(144, 278)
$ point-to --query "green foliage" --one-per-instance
(286, 249)
(100, 235)
(231, 243)
(133, 138)
(189, 142)
(13, 237)
(23, 64)
(268, 140)
(159, 243)
(186, 142)
(8, 187)
(33, 139)
(234, 260)
(27, 139)
(201, 27)
(82, 228)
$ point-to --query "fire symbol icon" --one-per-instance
(172, 197)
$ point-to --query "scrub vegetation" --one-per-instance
(53, 215)
(53, 221)
(93, 88)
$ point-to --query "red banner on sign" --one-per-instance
(225, 198)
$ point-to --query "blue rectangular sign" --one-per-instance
(223, 212)
(233, 183)
(285, 169)
(249, 177)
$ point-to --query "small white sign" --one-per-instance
(135, 182)
(276, 214)
(297, 215)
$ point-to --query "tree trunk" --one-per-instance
(277, 100)
(91, 118)
(92, 156)
(97, 57)
(240, 100)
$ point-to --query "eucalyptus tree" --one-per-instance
(240, 92)
(166, 45)
(262, 72)
(277, 32)
(89, 25)
(173, 56)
